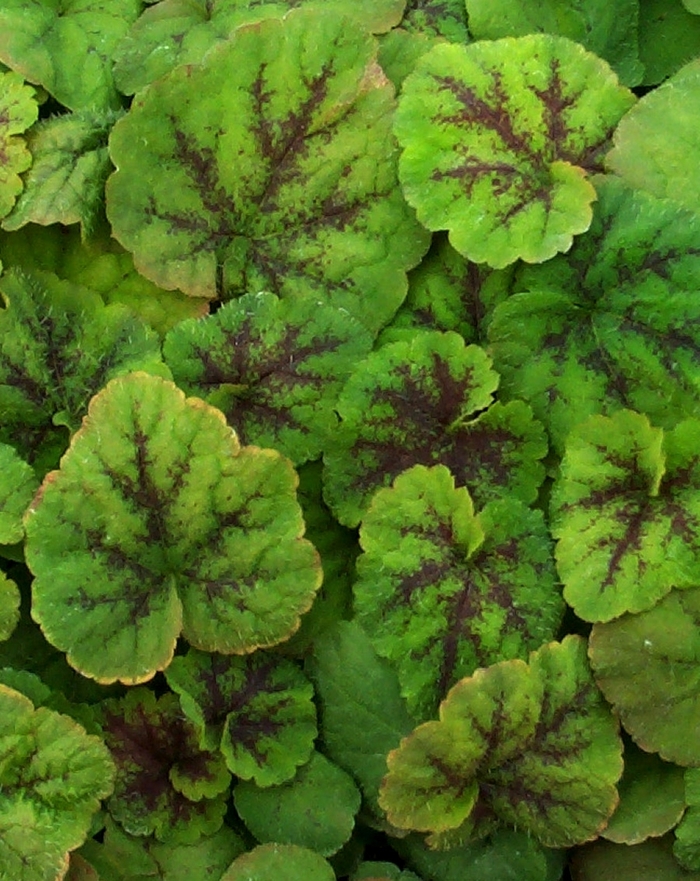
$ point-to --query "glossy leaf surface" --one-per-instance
(18, 111)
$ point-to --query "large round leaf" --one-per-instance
(498, 139)
(157, 524)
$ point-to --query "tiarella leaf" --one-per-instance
(313, 207)
(418, 402)
(9, 606)
(258, 710)
(18, 111)
(168, 526)
(498, 138)
(273, 367)
(18, 483)
(626, 514)
(442, 591)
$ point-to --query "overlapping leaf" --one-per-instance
(159, 523)
(59, 344)
(421, 402)
(655, 147)
(52, 777)
(273, 367)
(626, 514)
(165, 784)
(498, 138)
(607, 28)
(258, 710)
(9, 606)
(532, 745)
(175, 32)
(647, 667)
(18, 483)
(67, 47)
(311, 204)
(270, 862)
(614, 323)
(18, 111)
(442, 591)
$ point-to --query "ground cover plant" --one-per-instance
(349, 431)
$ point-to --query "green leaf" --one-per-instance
(52, 777)
(18, 111)
(416, 402)
(273, 367)
(375, 871)
(655, 148)
(362, 714)
(70, 166)
(439, 18)
(646, 666)
(608, 29)
(9, 607)
(652, 860)
(316, 809)
(59, 344)
(176, 32)
(66, 47)
(258, 710)
(652, 799)
(165, 784)
(490, 756)
(626, 514)
(498, 138)
(614, 323)
(18, 483)
(270, 862)
(313, 207)
(668, 37)
(167, 526)
(686, 848)
(442, 591)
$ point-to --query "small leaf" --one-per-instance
(9, 607)
(52, 777)
(313, 207)
(273, 367)
(270, 862)
(439, 18)
(168, 527)
(498, 138)
(165, 784)
(18, 111)
(626, 514)
(18, 483)
(442, 591)
(258, 710)
(647, 666)
(316, 809)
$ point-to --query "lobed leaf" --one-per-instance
(270, 862)
(273, 367)
(168, 526)
(498, 138)
(18, 111)
(421, 402)
(442, 591)
(258, 710)
(18, 484)
(626, 514)
(271, 174)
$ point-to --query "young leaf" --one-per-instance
(316, 809)
(167, 526)
(532, 745)
(176, 32)
(498, 138)
(165, 784)
(18, 483)
(273, 367)
(18, 111)
(52, 777)
(9, 606)
(609, 29)
(442, 591)
(270, 862)
(59, 344)
(655, 147)
(417, 403)
(257, 709)
(626, 514)
(612, 324)
(646, 666)
(70, 166)
(311, 204)
(67, 47)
